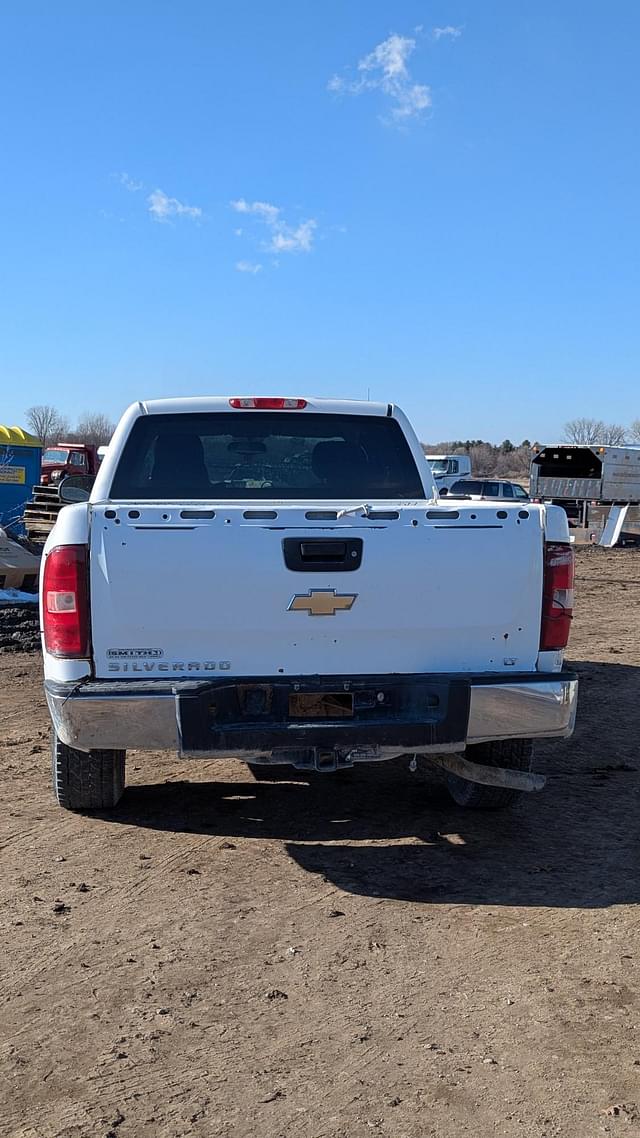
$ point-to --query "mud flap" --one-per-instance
(488, 776)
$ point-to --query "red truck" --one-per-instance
(64, 459)
(58, 463)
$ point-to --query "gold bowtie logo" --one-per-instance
(322, 602)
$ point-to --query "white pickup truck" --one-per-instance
(276, 581)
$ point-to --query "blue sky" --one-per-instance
(443, 200)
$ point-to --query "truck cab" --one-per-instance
(449, 468)
(66, 459)
(60, 462)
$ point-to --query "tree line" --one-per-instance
(510, 460)
(50, 426)
(506, 460)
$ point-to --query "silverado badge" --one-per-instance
(321, 602)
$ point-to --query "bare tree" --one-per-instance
(47, 423)
(582, 432)
(585, 432)
(483, 459)
(614, 435)
(513, 464)
(635, 430)
(94, 427)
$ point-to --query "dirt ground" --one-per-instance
(335, 958)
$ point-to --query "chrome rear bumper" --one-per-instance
(146, 716)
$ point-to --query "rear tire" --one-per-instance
(516, 754)
(82, 780)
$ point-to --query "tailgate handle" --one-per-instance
(323, 550)
(316, 556)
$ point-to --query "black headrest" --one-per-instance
(335, 462)
(179, 456)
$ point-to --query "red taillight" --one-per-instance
(257, 403)
(65, 609)
(557, 595)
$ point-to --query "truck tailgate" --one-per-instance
(270, 591)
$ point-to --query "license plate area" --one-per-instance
(268, 713)
(321, 705)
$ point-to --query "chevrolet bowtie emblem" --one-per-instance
(321, 602)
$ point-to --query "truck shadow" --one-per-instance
(381, 831)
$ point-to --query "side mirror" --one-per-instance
(75, 488)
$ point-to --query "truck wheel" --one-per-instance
(516, 754)
(84, 780)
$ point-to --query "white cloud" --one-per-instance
(337, 85)
(453, 33)
(248, 267)
(130, 184)
(162, 207)
(283, 238)
(390, 57)
(385, 69)
(288, 240)
(268, 213)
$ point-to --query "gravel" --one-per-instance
(19, 628)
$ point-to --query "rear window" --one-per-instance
(265, 455)
(467, 486)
